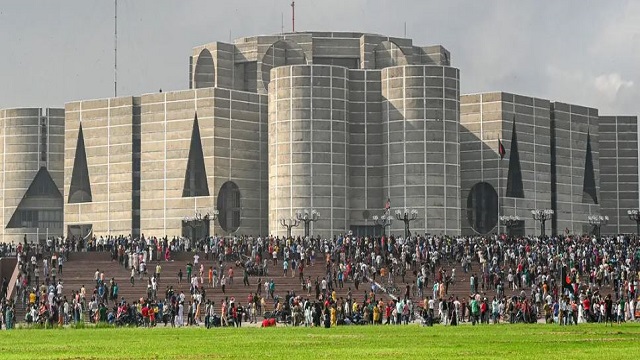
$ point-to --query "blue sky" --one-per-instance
(584, 52)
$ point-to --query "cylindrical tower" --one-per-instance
(308, 133)
(421, 152)
(31, 173)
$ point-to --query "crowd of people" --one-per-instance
(566, 280)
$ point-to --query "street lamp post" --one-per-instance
(307, 217)
(384, 221)
(197, 219)
(634, 214)
(542, 215)
(510, 222)
(597, 221)
(407, 217)
(289, 223)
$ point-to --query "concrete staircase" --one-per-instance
(80, 268)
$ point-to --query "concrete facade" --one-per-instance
(554, 172)
(31, 179)
(618, 171)
(365, 148)
(308, 136)
(337, 122)
(337, 130)
(232, 126)
(110, 128)
(486, 119)
(421, 120)
(573, 128)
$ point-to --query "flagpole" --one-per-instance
(499, 158)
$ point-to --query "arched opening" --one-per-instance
(281, 53)
(229, 207)
(482, 208)
(205, 72)
(387, 54)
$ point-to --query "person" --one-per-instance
(621, 313)
(333, 314)
(475, 310)
(608, 305)
(180, 276)
(189, 269)
(180, 315)
(326, 317)
(9, 317)
(245, 277)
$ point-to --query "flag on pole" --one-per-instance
(387, 206)
(501, 149)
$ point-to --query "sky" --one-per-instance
(578, 51)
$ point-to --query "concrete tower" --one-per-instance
(32, 145)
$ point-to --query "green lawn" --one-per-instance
(353, 342)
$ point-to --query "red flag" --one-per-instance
(387, 206)
(501, 150)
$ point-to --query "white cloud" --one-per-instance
(609, 85)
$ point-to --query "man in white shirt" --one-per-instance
(196, 257)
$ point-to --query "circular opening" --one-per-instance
(482, 208)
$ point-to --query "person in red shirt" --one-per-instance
(388, 314)
(145, 315)
(234, 315)
(152, 315)
(586, 305)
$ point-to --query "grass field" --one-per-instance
(363, 342)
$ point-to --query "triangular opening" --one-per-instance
(514, 177)
(41, 202)
(80, 188)
(589, 184)
(195, 179)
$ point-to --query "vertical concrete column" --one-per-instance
(308, 135)
(421, 153)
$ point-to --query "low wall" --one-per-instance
(9, 270)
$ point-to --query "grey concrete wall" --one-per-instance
(619, 171)
(108, 129)
(308, 136)
(533, 133)
(366, 197)
(421, 147)
(21, 147)
(489, 117)
(246, 64)
(166, 128)
(240, 155)
(572, 124)
(232, 130)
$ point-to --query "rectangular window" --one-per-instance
(43, 139)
